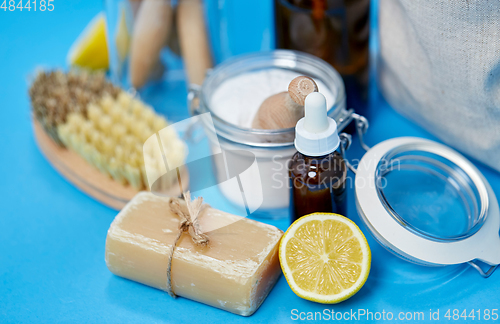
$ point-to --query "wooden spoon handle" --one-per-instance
(284, 109)
(300, 87)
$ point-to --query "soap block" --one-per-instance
(234, 272)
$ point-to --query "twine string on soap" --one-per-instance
(189, 223)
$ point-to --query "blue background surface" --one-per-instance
(52, 236)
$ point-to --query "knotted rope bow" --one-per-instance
(189, 223)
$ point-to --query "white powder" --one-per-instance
(238, 99)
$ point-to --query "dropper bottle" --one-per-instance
(317, 171)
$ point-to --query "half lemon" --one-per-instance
(325, 258)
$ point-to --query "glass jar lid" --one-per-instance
(427, 203)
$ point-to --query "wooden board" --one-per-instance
(89, 179)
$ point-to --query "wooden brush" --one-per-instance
(193, 39)
(151, 31)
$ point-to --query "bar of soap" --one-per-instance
(235, 272)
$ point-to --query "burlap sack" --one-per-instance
(439, 65)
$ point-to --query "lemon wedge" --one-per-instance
(325, 258)
(90, 50)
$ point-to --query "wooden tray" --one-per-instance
(89, 179)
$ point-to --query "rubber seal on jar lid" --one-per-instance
(409, 230)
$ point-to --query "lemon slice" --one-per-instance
(90, 50)
(325, 258)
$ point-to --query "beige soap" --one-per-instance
(234, 272)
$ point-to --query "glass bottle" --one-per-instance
(318, 184)
(317, 171)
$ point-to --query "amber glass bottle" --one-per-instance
(317, 171)
(318, 184)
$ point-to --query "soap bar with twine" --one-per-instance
(222, 260)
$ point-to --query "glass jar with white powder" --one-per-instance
(232, 93)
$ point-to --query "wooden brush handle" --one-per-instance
(193, 39)
(151, 30)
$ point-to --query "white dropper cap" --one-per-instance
(316, 133)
